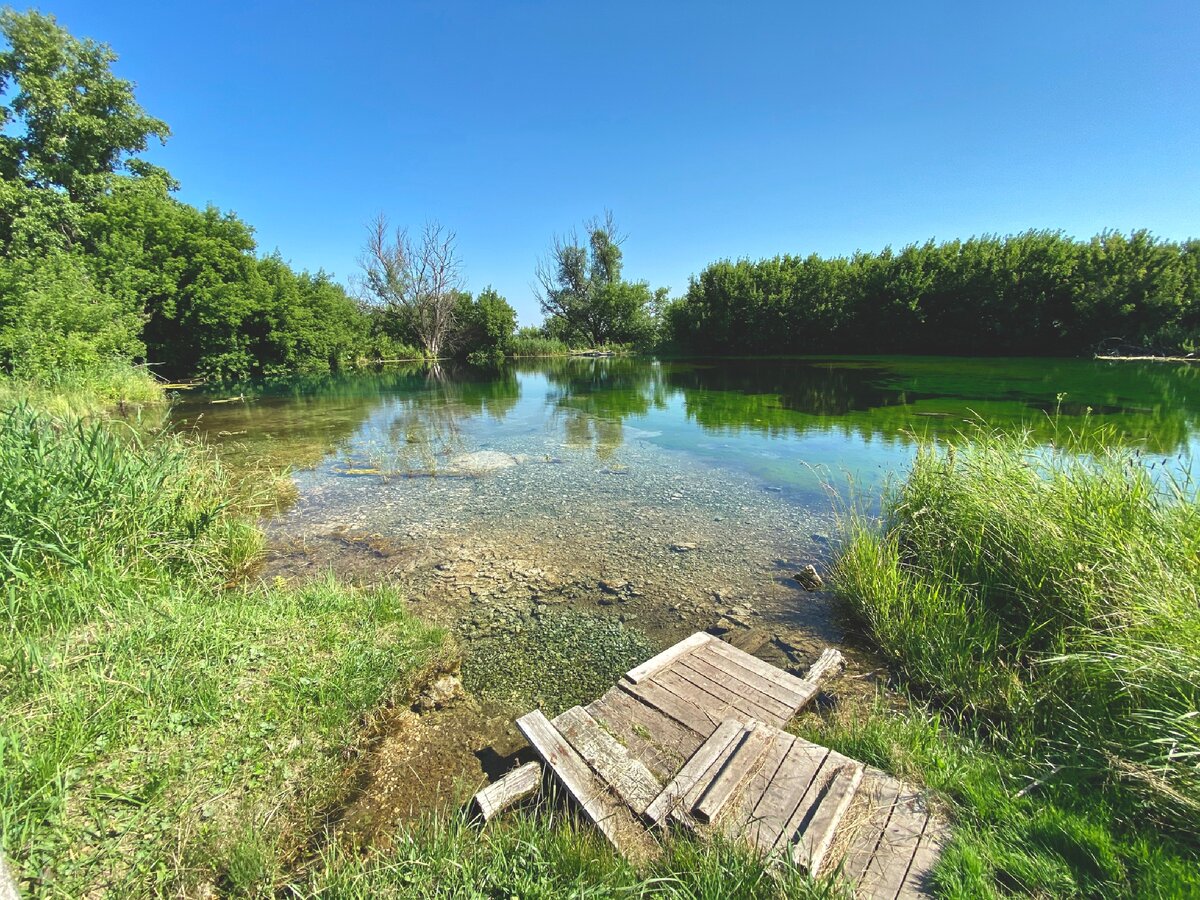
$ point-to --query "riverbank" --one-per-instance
(151, 739)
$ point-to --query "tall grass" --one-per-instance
(111, 385)
(96, 496)
(529, 345)
(1050, 599)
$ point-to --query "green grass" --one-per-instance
(159, 729)
(1047, 604)
(541, 853)
(116, 386)
(526, 345)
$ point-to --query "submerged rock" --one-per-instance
(809, 579)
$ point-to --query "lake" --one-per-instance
(657, 497)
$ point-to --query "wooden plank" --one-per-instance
(512, 788)
(640, 673)
(897, 846)
(719, 744)
(870, 812)
(683, 711)
(769, 709)
(763, 676)
(917, 881)
(735, 773)
(714, 705)
(828, 663)
(806, 809)
(740, 822)
(780, 799)
(656, 739)
(626, 775)
(817, 837)
(609, 815)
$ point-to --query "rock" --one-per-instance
(809, 579)
(480, 462)
(440, 693)
(683, 548)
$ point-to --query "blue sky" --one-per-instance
(711, 130)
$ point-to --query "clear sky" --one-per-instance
(711, 130)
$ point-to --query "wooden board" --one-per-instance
(661, 743)
(737, 770)
(639, 673)
(917, 881)
(625, 774)
(763, 707)
(607, 813)
(897, 846)
(812, 845)
(742, 822)
(515, 786)
(711, 753)
(681, 709)
(866, 819)
(753, 671)
(714, 706)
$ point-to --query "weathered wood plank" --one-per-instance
(830, 662)
(513, 787)
(897, 847)
(719, 745)
(740, 822)
(784, 793)
(929, 850)
(763, 676)
(715, 706)
(646, 729)
(763, 707)
(625, 774)
(806, 809)
(599, 805)
(817, 837)
(868, 817)
(810, 761)
(682, 710)
(735, 773)
(640, 673)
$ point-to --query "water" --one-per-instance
(695, 488)
(565, 518)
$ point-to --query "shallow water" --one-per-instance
(566, 517)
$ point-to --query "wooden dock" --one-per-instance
(694, 739)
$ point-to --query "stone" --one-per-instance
(809, 579)
(683, 548)
(443, 691)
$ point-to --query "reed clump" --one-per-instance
(1049, 599)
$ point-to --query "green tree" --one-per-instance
(67, 118)
(486, 326)
(583, 297)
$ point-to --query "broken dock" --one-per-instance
(694, 739)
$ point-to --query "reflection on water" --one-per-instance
(591, 471)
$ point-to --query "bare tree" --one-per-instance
(422, 278)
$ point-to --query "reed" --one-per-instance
(1049, 598)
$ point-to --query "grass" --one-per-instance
(160, 729)
(528, 345)
(1046, 603)
(118, 385)
(542, 853)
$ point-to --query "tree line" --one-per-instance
(1039, 293)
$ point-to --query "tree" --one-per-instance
(485, 327)
(581, 292)
(420, 279)
(66, 117)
